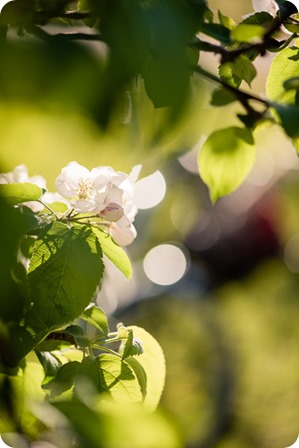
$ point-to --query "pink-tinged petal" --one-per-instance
(113, 212)
(123, 236)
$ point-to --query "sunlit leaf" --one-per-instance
(248, 33)
(284, 67)
(97, 318)
(243, 68)
(227, 75)
(118, 379)
(153, 363)
(114, 252)
(16, 193)
(225, 160)
(65, 269)
(139, 372)
(62, 386)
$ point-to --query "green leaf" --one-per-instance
(217, 31)
(97, 318)
(259, 18)
(283, 68)
(50, 363)
(140, 374)
(65, 270)
(153, 363)
(20, 192)
(226, 21)
(243, 68)
(20, 342)
(118, 379)
(227, 75)
(222, 97)
(289, 118)
(226, 159)
(62, 386)
(88, 372)
(114, 252)
(248, 33)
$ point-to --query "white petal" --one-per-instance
(68, 180)
(114, 194)
(84, 206)
(20, 174)
(40, 181)
(149, 191)
(269, 6)
(123, 236)
(134, 174)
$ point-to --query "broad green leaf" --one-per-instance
(217, 31)
(153, 363)
(227, 75)
(289, 118)
(248, 33)
(62, 386)
(97, 318)
(225, 160)
(50, 363)
(65, 270)
(222, 97)
(17, 193)
(285, 66)
(114, 252)
(243, 68)
(259, 18)
(118, 379)
(20, 342)
(88, 373)
(140, 374)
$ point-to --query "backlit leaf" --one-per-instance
(118, 379)
(225, 160)
(114, 252)
(16, 193)
(153, 363)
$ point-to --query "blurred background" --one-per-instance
(216, 285)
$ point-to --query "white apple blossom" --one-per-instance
(84, 188)
(20, 174)
(106, 194)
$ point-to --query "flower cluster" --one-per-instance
(106, 193)
(103, 195)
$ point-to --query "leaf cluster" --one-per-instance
(49, 324)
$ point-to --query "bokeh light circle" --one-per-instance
(165, 264)
(149, 191)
